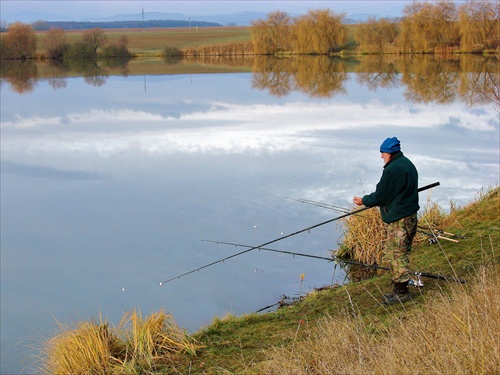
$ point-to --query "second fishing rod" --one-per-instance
(282, 238)
(336, 259)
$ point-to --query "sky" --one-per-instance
(104, 8)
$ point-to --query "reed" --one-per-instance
(364, 237)
(138, 345)
(153, 341)
(223, 49)
(365, 233)
(89, 348)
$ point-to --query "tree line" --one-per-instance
(424, 28)
(74, 25)
(438, 27)
(20, 42)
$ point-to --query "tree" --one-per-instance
(117, 50)
(272, 35)
(375, 35)
(302, 36)
(479, 22)
(320, 31)
(415, 28)
(40, 25)
(328, 30)
(4, 49)
(429, 25)
(80, 50)
(444, 23)
(20, 41)
(55, 42)
(94, 39)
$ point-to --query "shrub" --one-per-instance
(80, 50)
(114, 50)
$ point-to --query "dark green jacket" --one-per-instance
(397, 190)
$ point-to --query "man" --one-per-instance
(397, 196)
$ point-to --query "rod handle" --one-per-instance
(430, 186)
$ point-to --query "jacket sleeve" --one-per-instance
(383, 192)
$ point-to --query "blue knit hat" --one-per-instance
(390, 145)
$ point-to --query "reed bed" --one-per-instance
(453, 333)
(138, 345)
(364, 237)
(365, 233)
(225, 49)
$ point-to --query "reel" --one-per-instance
(416, 283)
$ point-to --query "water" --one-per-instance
(108, 190)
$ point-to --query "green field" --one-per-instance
(151, 42)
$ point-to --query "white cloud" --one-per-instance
(229, 128)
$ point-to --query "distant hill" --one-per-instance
(233, 19)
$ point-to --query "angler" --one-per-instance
(397, 196)
(279, 239)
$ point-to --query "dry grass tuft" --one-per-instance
(137, 346)
(451, 334)
(364, 237)
(88, 348)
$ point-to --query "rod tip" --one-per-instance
(161, 283)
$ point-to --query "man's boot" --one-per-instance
(391, 294)
(400, 294)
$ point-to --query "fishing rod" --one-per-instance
(436, 234)
(273, 250)
(340, 260)
(281, 238)
(321, 204)
(433, 237)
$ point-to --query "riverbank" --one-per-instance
(344, 329)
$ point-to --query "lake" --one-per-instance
(110, 183)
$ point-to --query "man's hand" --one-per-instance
(357, 200)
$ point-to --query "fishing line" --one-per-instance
(340, 260)
(280, 238)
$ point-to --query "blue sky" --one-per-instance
(104, 8)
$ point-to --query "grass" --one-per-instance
(454, 333)
(151, 42)
(447, 328)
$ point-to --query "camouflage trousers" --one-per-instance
(400, 236)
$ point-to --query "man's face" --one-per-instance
(386, 156)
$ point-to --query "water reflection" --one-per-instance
(315, 76)
(473, 79)
(21, 75)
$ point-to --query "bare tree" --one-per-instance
(376, 35)
(479, 24)
(55, 42)
(329, 30)
(94, 39)
(272, 35)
